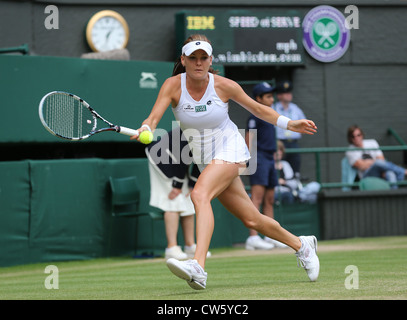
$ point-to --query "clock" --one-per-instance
(107, 30)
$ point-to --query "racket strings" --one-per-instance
(64, 115)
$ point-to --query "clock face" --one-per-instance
(107, 31)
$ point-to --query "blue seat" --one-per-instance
(373, 183)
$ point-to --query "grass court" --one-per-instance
(233, 274)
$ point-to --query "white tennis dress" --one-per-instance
(207, 127)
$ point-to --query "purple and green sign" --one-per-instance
(325, 35)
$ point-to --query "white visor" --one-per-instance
(191, 47)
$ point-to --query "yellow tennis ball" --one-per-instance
(146, 137)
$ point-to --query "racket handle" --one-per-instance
(128, 131)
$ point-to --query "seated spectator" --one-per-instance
(371, 163)
(348, 174)
(289, 187)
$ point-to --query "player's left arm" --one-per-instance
(229, 89)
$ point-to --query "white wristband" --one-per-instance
(146, 126)
(282, 122)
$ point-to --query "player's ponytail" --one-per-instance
(178, 67)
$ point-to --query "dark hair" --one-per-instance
(351, 130)
(178, 67)
(280, 146)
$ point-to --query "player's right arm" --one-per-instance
(169, 94)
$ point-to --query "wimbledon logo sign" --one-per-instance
(326, 37)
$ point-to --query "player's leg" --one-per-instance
(215, 178)
(236, 200)
(221, 180)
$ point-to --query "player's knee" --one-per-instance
(198, 197)
(250, 223)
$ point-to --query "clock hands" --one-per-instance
(107, 30)
(108, 34)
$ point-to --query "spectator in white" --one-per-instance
(290, 187)
(287, 108)
(371, 163)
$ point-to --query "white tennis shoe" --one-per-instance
(190, 251)
(257, 243)
(175, 252)
(190, 271)
(307, 257)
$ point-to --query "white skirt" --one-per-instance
(161, 186)
(227, 145)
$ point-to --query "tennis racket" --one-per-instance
(67, 116)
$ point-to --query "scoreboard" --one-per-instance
(246, 37)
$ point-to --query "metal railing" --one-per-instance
(318, 151)
(22, 49)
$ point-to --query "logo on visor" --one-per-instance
(197, 43)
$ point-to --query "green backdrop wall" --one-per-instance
(121, 91)
(60, 210)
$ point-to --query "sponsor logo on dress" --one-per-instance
(188, 108)
(201, 108)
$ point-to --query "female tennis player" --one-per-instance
(199, 100)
